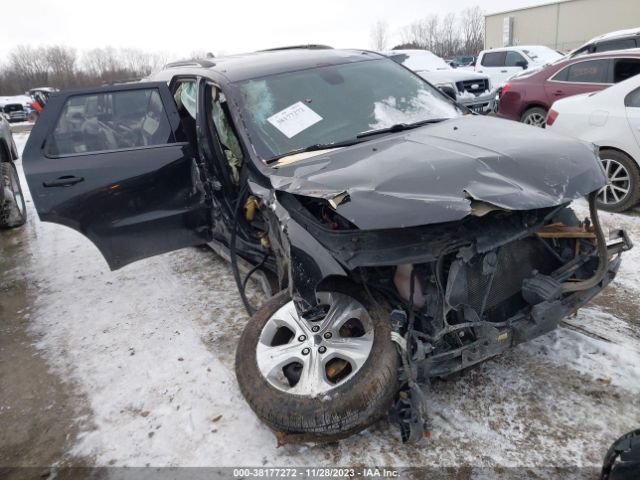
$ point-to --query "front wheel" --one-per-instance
(623, 182)
(327, 377)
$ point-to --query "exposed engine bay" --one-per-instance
(456, 293)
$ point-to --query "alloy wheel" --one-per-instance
(618, 182)
(535, 119)
(308, 358)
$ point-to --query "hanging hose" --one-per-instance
(234, 259)
(603, 261)
(254, 270)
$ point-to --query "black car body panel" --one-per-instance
(131, 203)
(435, 173)
(473, 208)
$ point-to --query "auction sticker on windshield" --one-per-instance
(294, 119)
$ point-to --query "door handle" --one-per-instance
(504, 71)
(557, 93)
(64, 181)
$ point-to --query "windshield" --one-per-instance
(542, 54)
(330, 104)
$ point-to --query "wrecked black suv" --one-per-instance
(408, 238)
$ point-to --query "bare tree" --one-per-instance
(472, 21)
(449, 35)
(380, 35)
(101, 60)
(61, 63)
(29, 64)
(454, 34)
(431, 29)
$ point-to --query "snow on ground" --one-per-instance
(152, 345)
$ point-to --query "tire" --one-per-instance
(536, 117)
(354, 403)
(623, 189)
(13, 211)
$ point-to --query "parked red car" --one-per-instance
(528, 96)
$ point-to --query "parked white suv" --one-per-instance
(500, 64)
(471, 89)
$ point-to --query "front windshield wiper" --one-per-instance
(399, 127)
(317, 146)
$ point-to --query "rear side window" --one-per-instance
(633, 99)
(622, 44)
(625, 68)
(493, 59)
(591, 71)
(561, 76)
(512, 59)
(583, 51)
(110, 121)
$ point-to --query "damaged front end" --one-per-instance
(443, 237)
(460, 292)
(473, 288)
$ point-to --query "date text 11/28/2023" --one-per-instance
(309, 472)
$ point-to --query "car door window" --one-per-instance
(633, 99)
(493, 59)
(622, 44)
(591, 71)
(512, 59)
(583, 51)
(110, 121)
(561, 76)
(625, 68)
(226, 134)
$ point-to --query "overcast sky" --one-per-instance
(231, 26)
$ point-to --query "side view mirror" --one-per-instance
(522, 64)
(448, 91)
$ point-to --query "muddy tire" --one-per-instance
(315, 410)
(536, 117)
(623, 189)
(13, 211)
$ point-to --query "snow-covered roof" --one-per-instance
(24, 100)
(616, 34)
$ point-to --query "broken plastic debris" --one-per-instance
(338, 199)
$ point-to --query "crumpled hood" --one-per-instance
(433, 173)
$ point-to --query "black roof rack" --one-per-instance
(311, 46)
(191, 63)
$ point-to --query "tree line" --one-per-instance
(62, 67)
(453, 34)
(59, 66)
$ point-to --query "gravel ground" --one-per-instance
(135, 368)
